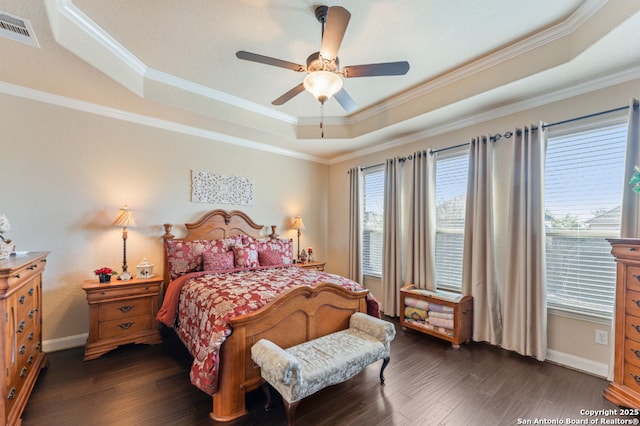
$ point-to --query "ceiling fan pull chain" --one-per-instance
(321, 120)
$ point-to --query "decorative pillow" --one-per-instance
(284, 248)
(217, 261)
(245, 256)
(186, 256)
(269, 258)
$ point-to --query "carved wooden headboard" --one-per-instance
(214, 225)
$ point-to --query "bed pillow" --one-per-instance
(217, 261)
(283, 247)
(186, 256)
(245, 256)
(269, 258)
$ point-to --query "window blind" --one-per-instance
(584, 179)
(372, 221)
(451, 190)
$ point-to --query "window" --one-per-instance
(584, 179)
(451, 193)
(373, 194)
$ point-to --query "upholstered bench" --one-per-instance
(304, 369)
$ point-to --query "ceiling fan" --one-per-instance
(323, 67)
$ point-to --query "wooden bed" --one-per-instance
(299, 315)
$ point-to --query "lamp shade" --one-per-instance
(322, 84)
(124, 218)
(297, 223)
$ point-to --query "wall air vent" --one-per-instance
(17, 29)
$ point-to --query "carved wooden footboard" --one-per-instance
(300, 315)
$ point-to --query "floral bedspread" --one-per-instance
(198, 306)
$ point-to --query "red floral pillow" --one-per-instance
(186, 256)
(245, 256)
(269, 258)
(217, 261)
(278, 245)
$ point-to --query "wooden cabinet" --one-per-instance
(21, 311)
(318, 266)
(442, 314)
(122, 312)
(625, 388)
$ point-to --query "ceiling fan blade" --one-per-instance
(290, 94)
(345, 100)
(254, 57)
(334, 29)
(372, 70)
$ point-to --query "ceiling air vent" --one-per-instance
(17, 29)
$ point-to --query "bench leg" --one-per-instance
(290, 408)
(385, 362)
(267, 393)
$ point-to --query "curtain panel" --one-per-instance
(392, 237)
(630, 220)
(524, 313)
(479, 278)
(355, 229)
(421, 238)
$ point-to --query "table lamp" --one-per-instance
(124, 219)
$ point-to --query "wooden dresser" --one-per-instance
(625, 388)
(122, 312)
(20, 305)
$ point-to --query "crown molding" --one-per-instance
(88, 107)
(557, 31)
(582, 88)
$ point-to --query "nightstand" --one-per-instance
(318, 266)
(121, 312)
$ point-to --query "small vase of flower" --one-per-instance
(104, 274)
(6, 245)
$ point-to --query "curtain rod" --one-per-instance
(595, 114)
(636, 105)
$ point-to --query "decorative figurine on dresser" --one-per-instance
(21, 344)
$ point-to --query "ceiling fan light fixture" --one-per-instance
(322, 85)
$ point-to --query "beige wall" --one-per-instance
(65, 173)
(571, 341)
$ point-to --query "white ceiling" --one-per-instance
(175, 61)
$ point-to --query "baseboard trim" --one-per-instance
(64, 343)
(577, 363)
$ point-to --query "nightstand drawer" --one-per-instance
(124, 326)
(124, 309)
(114, 293)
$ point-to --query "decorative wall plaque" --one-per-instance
(208, 187)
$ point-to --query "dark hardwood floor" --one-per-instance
(427, 383)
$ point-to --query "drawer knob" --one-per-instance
(636, 378)
(21, 300)
(127, 308)
(23, 372)
(636, 327)
(30, 337)
(30, 291)
(126, 325)
(20, 327)
(636, 352)
(637, 302)
(16, 276)
(32, 267)
(12, 393)
(22, 349)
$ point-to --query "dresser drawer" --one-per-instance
(626, 251)
(632, 352)
(124, 309)
(633, 278)
(632, 303)
(632, 328)
(631, 377)
(122, 327)
(110, 294)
